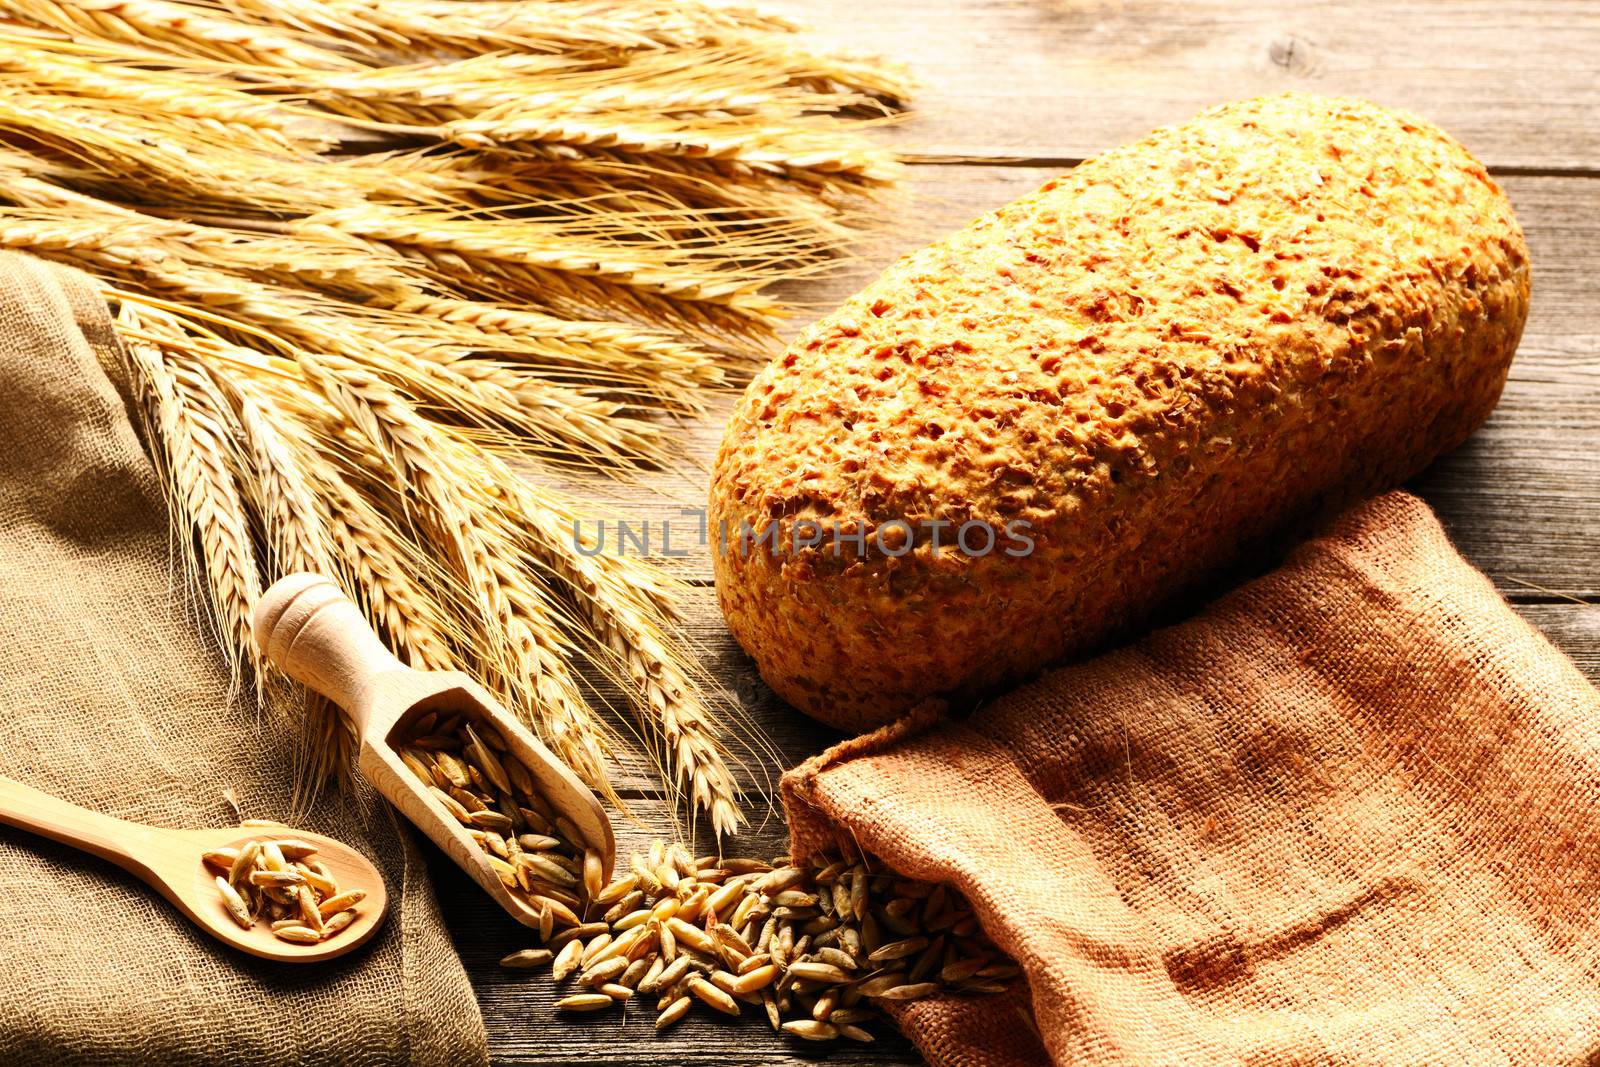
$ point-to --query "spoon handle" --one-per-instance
(315, 635)
(112, 839)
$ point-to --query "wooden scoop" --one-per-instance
(170, 861)
(315, 635)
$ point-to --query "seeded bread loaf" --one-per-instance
(1139, 369)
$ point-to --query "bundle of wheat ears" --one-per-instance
(380, 262)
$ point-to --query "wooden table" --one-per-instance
(1017, 92)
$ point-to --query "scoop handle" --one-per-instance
(313, 633)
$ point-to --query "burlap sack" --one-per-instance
(114, 698)
(1345, 816)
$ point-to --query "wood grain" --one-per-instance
(1064, 79)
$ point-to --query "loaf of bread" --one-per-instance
(1114, 384)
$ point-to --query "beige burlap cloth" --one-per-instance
(1344, 816)
(112, 696)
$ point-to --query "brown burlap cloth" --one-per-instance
(112, 696)
(1344, 816)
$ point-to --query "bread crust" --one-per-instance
(1154, 361)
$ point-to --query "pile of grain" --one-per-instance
(814, 945)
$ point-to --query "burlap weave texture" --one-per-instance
(114, 697)
(1343, 816)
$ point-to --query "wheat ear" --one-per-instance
(183, 28)
(339, 348)
(622, 604)
(382, 565)
(297, 541)
(199, 472)
(522, 638)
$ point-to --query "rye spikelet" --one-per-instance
(366, 253)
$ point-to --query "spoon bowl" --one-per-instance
(170, 862)
(349, 868)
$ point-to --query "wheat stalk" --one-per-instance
(644, 362)
(75, 79)
(713, 80)
(297, 538)
(672, 706)
(184, 411)
(497, 25)
(182, 28)
(297, 541)
(553, 246)
(380, 563)
(341, 342)
(792, 151)
(626, 605)
(484, 392)
(530, 668)
(715, 194)
(516, 622)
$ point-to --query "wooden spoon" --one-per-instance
(315, 635)
(170, 861)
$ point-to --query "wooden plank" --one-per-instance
(1064, 79)
(1573, 628)
(1519, 497)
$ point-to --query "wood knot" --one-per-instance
(1292, 53)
